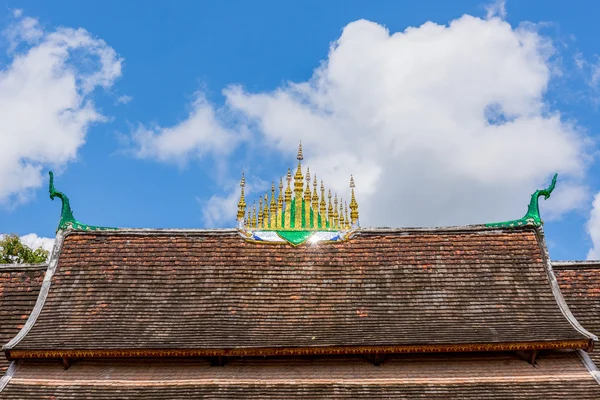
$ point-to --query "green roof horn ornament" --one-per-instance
(533, 211)
(67, 220)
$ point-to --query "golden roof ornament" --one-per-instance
(297, 215)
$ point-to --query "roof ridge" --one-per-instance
(576, 264)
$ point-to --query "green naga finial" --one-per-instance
(67, 220)
(533, 210)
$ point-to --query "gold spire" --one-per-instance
(298, 188)
(260, 212)
(353, 204)
(266, 212)
(306, 203)
(273, 208)
(242, 203)
(288, 200)
(342, 220)
(336, 220)
(253, 222)
(329, 210)
(315, 199)
(346, 215)
(322, 207)
(279, 204)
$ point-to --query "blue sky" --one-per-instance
(453, 116)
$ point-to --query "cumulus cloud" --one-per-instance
(439, 124)
(45, 100)
(124, 99)
(202, 132)
(34, 241)
(221, 209)
(496, 8)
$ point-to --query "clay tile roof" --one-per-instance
(454, 376)
(19, 288)
(211, 293)
(580, 284)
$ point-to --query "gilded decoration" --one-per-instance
(297, 214)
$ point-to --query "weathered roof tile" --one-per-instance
(206, 290)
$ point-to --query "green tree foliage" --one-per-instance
(13, 251)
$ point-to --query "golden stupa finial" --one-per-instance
(353, 204)
(296, 207)
(341, 214)
(298, 189)
(265, 223)
(279, 205)
(315, 196)
(346, 215)
(329, 209)
(307, 208)
(242, 203)
(336, 216)
(273, 207)
(288, 201)
(260, 211)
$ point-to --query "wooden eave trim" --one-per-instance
(579, 344)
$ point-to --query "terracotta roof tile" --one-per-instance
(207, 290)
(19, 288)
(580, 285)
(476, 376)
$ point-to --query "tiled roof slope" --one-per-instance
(580, 285)
(474, 376)
(19, 288)
(212, 290)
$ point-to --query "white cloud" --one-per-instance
(124, 99)
(202, 132)
(34, 241)
(220, 209)
(497, 8)
(440, 125)
(593, 228)
(45, 104)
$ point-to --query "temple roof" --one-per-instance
(201, 292)
(455, 376)
(19, 288)
(580, 285)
